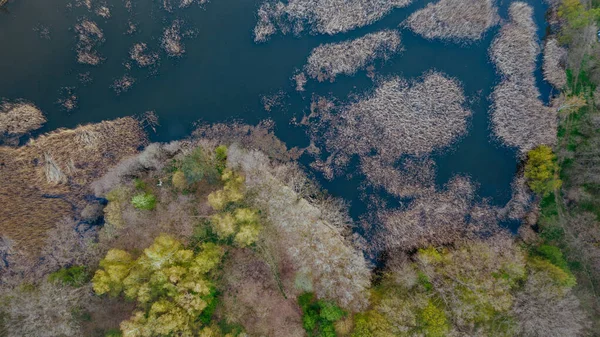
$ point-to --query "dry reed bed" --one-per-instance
(399, 118)
(437, 218)
(47, 179)
(458, 20)
(19, 118)
(140, 54)
(412, 177)
(519, 118)
(171, 40)
(554, 59)
(330, 60)
(320, 17)
(89, 37)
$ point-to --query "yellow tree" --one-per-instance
(170, 283)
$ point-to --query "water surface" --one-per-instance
(223, 75)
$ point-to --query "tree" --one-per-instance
(541, 170)
(145, 201)
(171, 285)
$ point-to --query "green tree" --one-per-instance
(171, 285)
(541, 170)
(145, 201)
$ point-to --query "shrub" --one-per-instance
(198, 166)
(221, 158)
(541, 170)
(433, 321)
(318, 317)
(179, 181)
(145, 201)
(75, 276)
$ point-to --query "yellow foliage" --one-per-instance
(223, 224)
(433, 321)
(541, 170)
(168, 279)
(247, 235)
(179, 181)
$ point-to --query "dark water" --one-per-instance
(223, 75)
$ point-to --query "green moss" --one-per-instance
(113, 333)
(221, 158)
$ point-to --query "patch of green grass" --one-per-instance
(74, 276)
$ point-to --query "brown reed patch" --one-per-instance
(46, 179)
(459, 20)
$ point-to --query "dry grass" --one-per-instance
(515, 49)
(436, 218)
(47, 179)
(459, 20)
(320, 17)
(413, 177)
(89, 37)
(399, 118)
(330, 60)
(259, 137)
(123, 84)
(554, 59)
(19, 118)
(519, 118)
(171, 40)
(139, 53)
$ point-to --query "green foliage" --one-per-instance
(319, 316)
(541, 170)
(198, 166)
(113, 333)
(139, 184)
(423, 280)
(433, 321)
(576, 15)
(145, 201)
(559, 276)
(554, 255)
(221, 158)
(171, 285)
(75, 276)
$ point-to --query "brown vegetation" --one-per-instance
(399, 118)
(19, 118)
(46, 179)
(251, 297)
(311, 234)
(459, 20)
(435, 218)
(139, 54)
(554, 61)
(519, 118)
(330, 60)
(171, 40)
(89, 37)
(324, 17)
